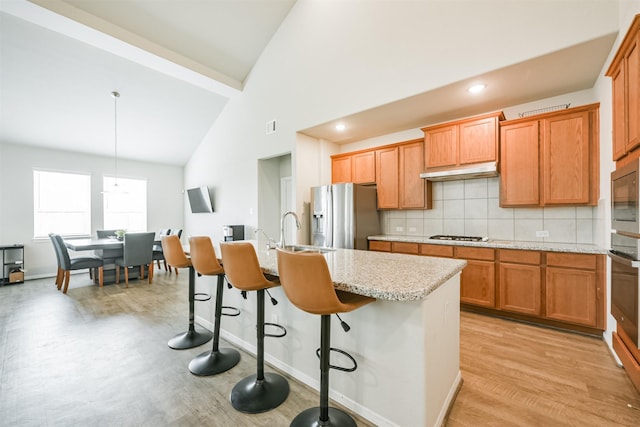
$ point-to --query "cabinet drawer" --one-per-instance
(519, 256)
(557, 259)
(474, 253)
(377, 245)
(405, 248)
(436, 250)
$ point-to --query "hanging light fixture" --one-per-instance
(115, 96)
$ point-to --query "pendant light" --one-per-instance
(115, 96)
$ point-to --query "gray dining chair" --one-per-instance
(158, 254)
(138, 251)
(103, 234)
(68, 264)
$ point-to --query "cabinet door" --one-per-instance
(619, 113)
(477, 283)
(364, 167)
(571, 295)
(341, 169)
(632, 79)
(441, 146)
(379, 246)
(520, 288)
(478, 141)
(566, 154)
(387, 178)
(411, 186)
(519, 165)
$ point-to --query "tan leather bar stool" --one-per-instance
(203, 258)
(175, 256)
(260, 392)
(307, 282)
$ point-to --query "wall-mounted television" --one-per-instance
(200, 200)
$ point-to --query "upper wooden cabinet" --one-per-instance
(625, 75)
(551, 159)
(387, 177)
(414, 192)
(359, 167)
(462, 142)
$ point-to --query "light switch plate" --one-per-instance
(542, 233)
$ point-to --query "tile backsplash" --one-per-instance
(471, 208)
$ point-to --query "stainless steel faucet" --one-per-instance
(271, 244)
(282, 242)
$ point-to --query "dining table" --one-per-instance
(108, 249)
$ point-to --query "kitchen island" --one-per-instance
(406, 343)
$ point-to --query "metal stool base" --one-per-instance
(189, 339)
(214, 362)
(311, 418)
(253, 396)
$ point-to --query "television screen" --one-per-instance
(199, 200)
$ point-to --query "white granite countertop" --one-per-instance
(499, 244)
(386, 276)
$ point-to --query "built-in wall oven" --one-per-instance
(625, 296)
(625, 248)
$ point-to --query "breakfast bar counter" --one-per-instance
(406, 343)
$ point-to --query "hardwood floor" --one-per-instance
(100, 356)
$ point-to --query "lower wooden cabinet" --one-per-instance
(573, 289)
(555, 288)
(520, 283)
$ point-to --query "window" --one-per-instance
(125, 205)
(61, 204)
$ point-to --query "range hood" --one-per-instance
(477, 170)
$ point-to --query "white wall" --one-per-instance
(165, 208)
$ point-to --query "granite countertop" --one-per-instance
(499, 244)
(381, 275)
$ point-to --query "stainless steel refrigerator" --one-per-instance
(344, 215)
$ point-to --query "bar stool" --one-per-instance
(260, 392)
(307, 283)
(203, 258)
(175, 256)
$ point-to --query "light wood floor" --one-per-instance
(99, 356)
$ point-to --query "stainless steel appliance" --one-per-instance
(344, 215)
(625, 218)
(232, 232)
(625, 294)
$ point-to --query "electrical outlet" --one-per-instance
(542, 233)
(412, 229)
(399, 228)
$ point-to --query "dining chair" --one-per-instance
(68, 264)
(158, 254)
(103, 234)
(175, 232)
(137, 251)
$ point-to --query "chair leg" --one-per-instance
(165, 265)
(101, 275)
(324, 415)
(151, 267)
(142, 272)
(67, 275)
(261, 392)
(59, 276)
(126, 277)
(191, 338)
(117, 274)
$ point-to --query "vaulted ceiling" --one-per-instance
(176, 64)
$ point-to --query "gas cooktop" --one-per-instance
(459, 238)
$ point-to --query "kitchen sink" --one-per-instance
(304, 248)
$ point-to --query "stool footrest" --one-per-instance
(275, 325)
(344, 353)
(201, 296)
(233, 311)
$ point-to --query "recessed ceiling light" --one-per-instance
(340, 127)
(477, 88)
